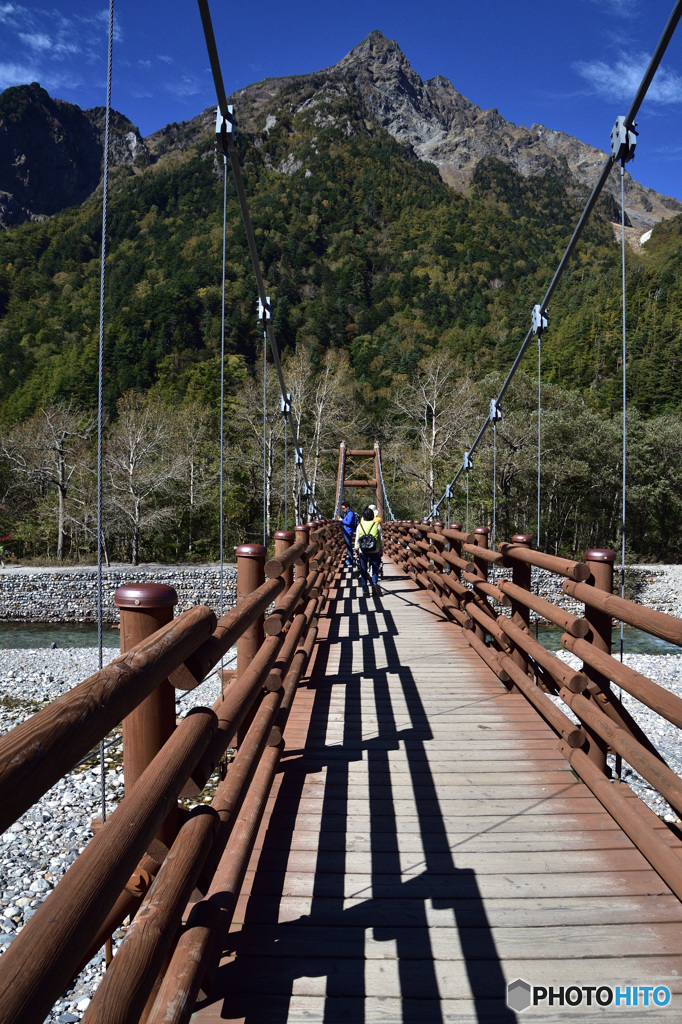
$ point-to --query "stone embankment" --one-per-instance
(70, 595)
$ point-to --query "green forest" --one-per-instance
(398, 307)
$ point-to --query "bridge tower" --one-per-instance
(361, 468)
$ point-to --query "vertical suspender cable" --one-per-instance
(619, 762)
(467, 522)
(100, 393)
(286, 463)
(264, 438)
(539, 432)
(494, 491)
(222, 395)
(537, 571)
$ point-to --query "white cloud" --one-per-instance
(187, 85)
(8, 12)
(36, 40)
(621, 8)
(12, 73)
(16, 74)
(621, 80)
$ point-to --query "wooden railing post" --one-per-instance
(250, 576)
(600, 562)
(144, 608)
(520, 614)
(480, 569)
(283, 540)
(302, 533)
(456, 548)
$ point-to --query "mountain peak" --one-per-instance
(375, 46)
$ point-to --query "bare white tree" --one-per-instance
(437, 403)
(46, 450)
(142, 460)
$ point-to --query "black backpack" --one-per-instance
(367, 541)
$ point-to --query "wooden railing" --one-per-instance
(152, 858)
(453, 566)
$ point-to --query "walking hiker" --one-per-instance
(369, 543)
(377, 519)
(349, 522)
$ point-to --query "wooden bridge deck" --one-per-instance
(425, 844)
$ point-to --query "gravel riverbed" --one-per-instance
(37, 850)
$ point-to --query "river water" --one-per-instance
(18, 635)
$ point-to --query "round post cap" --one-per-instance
(600, 555)
(250, 551)
(145, 595)
(523, 538)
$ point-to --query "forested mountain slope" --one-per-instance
(377, 269)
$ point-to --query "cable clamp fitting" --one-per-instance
(623, 141)
(538, 320)
(225, 129)
(285, 405)
(264, 311)
(298, 457)
(448, 492)
(495, 411)
(467, 462)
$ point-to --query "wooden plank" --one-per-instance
(536, 912)
(459, 885)
(599, 942)
(305, 1009)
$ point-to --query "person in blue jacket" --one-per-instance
(349, 521)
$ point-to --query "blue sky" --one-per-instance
(572, 66)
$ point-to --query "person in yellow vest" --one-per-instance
(369, 543)
(377, 519)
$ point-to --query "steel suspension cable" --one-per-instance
(222, 396)
(100, 383)
(383, 488)
(494, 493)
(619, 762)
(265, 427)
(286, 485)
(244, 207)
(591, 203)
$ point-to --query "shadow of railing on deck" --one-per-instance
(329, 942)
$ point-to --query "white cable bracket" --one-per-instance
(298, 457)
(623, 141)
(467, 462)
(448, 492)
(285, 405)
(264, 311)
(225, 127)
(307, 490)
(495, 411)
(538, 320)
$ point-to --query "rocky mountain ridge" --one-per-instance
(442, 126)
(51, 152)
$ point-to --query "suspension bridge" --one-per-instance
(422, 817)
